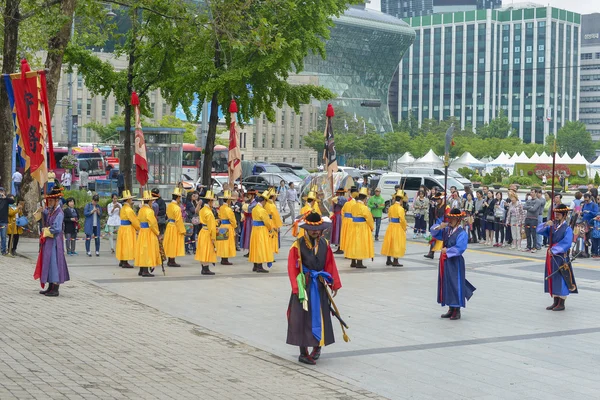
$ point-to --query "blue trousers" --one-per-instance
(377, 225)
(88, 239)
(3, 229)
(595, 246)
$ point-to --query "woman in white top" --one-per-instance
(66, 179)
(114, 220)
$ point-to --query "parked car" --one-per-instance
(411, 184)
(218, 183)
(437, 172)
(256, 182)
(250, 168)
(354, 173)
(275, 178)
(296, 169)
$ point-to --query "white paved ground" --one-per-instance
(506, 346)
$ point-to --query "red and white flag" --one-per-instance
(234, 162)
(141, 161)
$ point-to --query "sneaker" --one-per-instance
(97, 254)
(89, 254)
(415, 236)
(533, 250)
(74, 253)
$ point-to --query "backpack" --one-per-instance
(596, 230)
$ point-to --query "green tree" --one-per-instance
(498, 127)
(574, 138)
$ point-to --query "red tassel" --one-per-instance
(135, 100)
(233, 106)
(330, 112)
(24, 68)
(452, 143)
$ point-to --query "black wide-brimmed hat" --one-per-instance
(314, 222)
(456, 213)
(439, 196)
(55, 193)
(561, 208)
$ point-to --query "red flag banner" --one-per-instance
(141, 161)
(234, 162)
(329, 154)
(27, 107)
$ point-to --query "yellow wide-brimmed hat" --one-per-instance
(364, 190)
(126, 195)
(147, 195)
(273, 192)
(209, 195)
(177, 192)
(227, 195)
(311, 195)
(265, 195)
(400, 193)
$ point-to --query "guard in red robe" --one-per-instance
(312, 272)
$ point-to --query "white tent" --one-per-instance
(501, 161)
(466, 160)
(564, 159)
(535, 158)
(579, 159)
(514, 156)
(545, 158)
(404, 161)
(594, 167)
(429, 160)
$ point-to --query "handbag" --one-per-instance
(490, 218)
(196, 220)
(222, 234)
(22, 221)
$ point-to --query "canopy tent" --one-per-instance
(466, 160)
(579, 159)
(564, 159)
(429, 160)
(521, 158)
(501, 161)
(594, 167)
(403, 162)
(535, 158)
(545, 158)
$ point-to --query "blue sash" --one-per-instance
(358, 219)
(315, 299)
(225, 222)
(396, 220)
(144, 225)
(348, 215)
(171, 220)
(258, 223)
(125, 223)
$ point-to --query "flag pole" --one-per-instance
(553, 195)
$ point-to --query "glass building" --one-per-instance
(363, 52)
(407, 8)
(473, 64)
(589, 107)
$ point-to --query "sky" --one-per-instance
(579, 6)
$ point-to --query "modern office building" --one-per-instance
(470, 65)
(363, 52)
(589, 106)
(445, 6)
(407, 8)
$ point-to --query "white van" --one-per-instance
(436, 172)
(411, 183)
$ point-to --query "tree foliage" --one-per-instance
(574, 138)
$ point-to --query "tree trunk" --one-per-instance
(125, 159)
(212, 127)
(30, 192)
(56, 50)
(11, 19)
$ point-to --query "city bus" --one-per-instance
(192, 160)
(89, 158)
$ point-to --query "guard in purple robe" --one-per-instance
(559, 280)
(51, 266)
(247, 224)
(453, 288)
(336, 226)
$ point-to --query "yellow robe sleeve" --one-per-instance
(179, 220)
(212, 227)
(277, 223)
(265, 218)
(135, 222)
(402, 215)
(152, 222)
(368, 216)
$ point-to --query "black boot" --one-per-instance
(172, 263)
(146, 273)
(560, 306)
(255, 267)
(396, 263)
(305, 358)
(140, 271)
(316, 353)
(429, 255)
(206, 270)
(120, 263)
(126, 264)
(260, 268)
(359, 264)
(388, 261)
(449, 313)
(54, 291)
(556, 299)
(225, 261)
(455, 314)
(48, 288)
(353, 264)
(339, 251)
(247, 255)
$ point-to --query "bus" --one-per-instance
(192, 160)
(92, 159)
(111, 154)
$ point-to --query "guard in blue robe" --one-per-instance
(559, 280)
(453, 288)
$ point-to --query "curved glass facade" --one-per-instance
(363, 53)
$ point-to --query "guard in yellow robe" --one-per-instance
(206, 248)
(13, 231)
(360, 242)
(126, 236)
(275, 217)
(147, 253)
(347, 219)
(309, 206)
(226, 248)
(394, 242)
(174, 238)
(261, 250)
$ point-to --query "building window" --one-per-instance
(282, 118)
(505, 38)
(79, 81)
(528, 60)
(505, 50)
(529, 48)
(586, 56)
(541, 24)
(597, 55)
(505, 62)
(517, 61)
(153, 108)
(541, 47)
(79, 106)
(88, 108)
(88, 135)
(264, 119)
(301, 122)
(481, 60)
(116, 108)
(517, 49)
(541, 59)
(164, 109)
(103, 108)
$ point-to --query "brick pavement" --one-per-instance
(90, 343)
